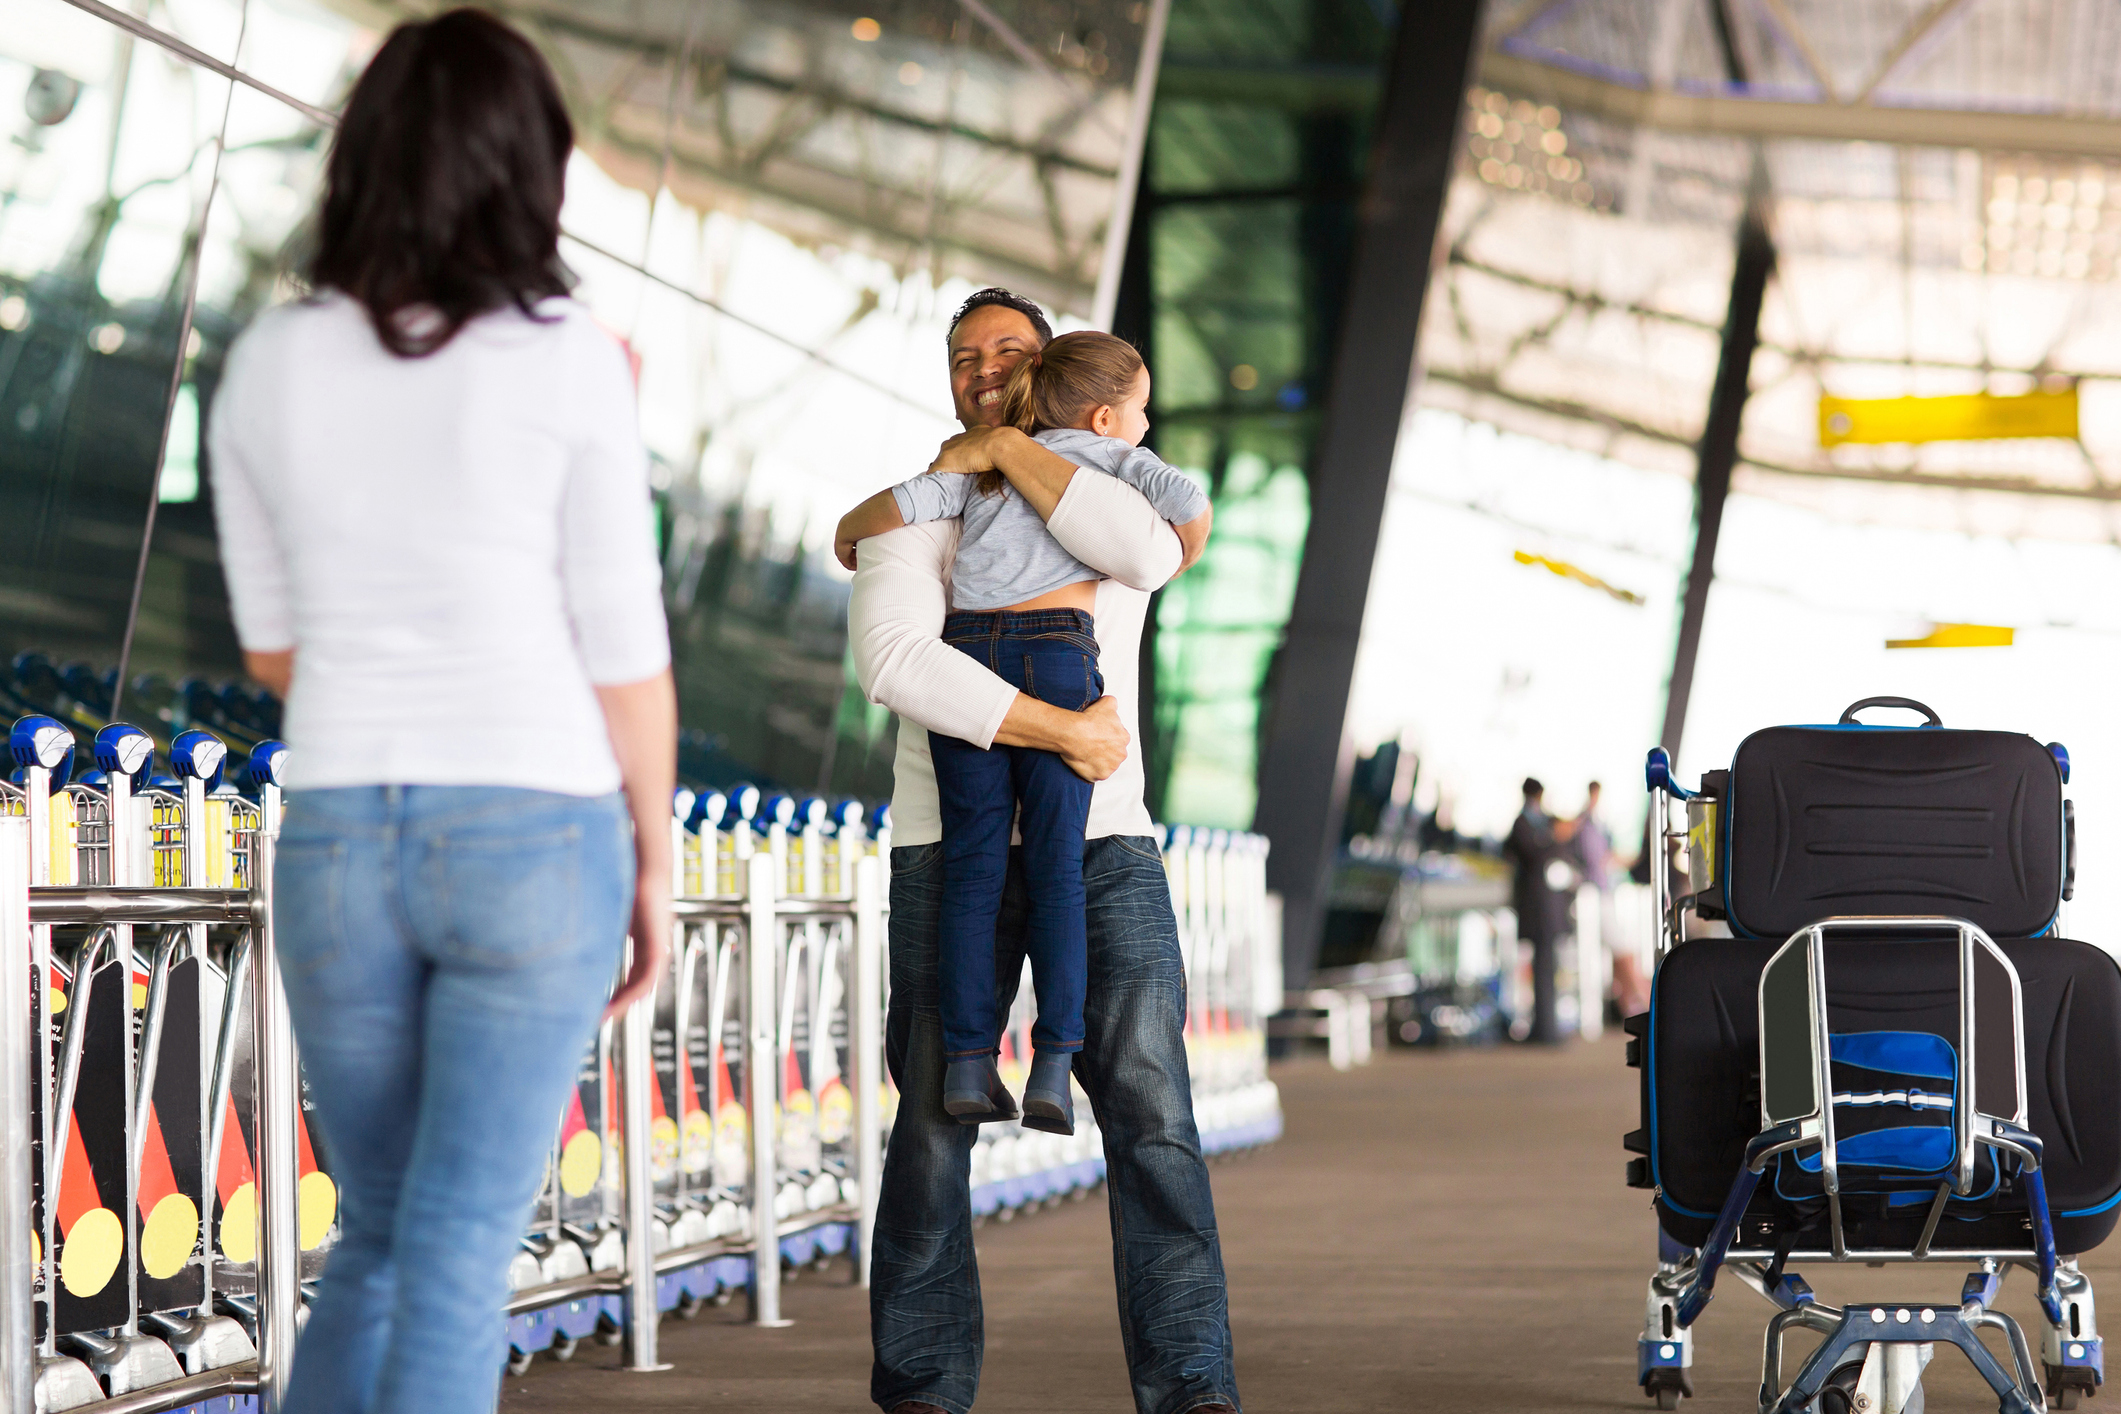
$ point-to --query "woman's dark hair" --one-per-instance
(444, 185)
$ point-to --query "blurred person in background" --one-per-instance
(1536, 844)
(924, 1300)
(434, 513)
(1594, 857)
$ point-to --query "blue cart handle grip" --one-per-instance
(1657, 773)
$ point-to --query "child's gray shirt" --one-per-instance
(1005, 554)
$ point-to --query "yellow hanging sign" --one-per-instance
(1959, 636)
(1972, 417)
(1581, 576)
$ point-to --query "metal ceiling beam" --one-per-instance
(1485, 385)
(1913, 35)
(1721, 116)
(836, 99)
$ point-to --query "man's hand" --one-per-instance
(843, 550)
(970, 453)
(1093, 741)
(1098, 745)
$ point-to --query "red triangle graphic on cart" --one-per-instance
(576, 1120)
(77, 1182)
(233, 1170)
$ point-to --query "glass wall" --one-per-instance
(1244, 226)
(774, 206)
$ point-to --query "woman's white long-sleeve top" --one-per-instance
(459, 548)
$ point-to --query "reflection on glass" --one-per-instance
(100, 190)
(812, 200)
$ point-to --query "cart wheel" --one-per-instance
(2068, 1384)
(1838, 1394)
(1668, 1387)
(562, 1348)
(823, 1263)
(518, 1361)
(608, 1332)
(690, 1306)
(724, 1296)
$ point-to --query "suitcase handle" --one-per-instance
(1848, 718)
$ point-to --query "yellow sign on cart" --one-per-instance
(1971, 417)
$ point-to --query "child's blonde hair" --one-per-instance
(1063, 383)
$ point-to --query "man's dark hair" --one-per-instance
(1532, 787)
(995, 294)
(444, 183)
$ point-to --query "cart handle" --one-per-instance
(1848, 718)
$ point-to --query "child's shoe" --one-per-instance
(973, 1091)
(1048, 1103)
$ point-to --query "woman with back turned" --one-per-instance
(434, 516)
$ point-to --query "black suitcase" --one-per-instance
(1701, 1086)
(1815, 821)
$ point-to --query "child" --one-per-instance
(1021, 605)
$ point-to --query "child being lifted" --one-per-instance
(1021, 606)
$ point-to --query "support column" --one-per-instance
(1303, 769)
(1718, 451)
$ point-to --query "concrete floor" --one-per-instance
(1438, 1232)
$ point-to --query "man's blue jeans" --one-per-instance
(446, 952)
(924, 1301)
(1052, 655)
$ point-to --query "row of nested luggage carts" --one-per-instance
(168, 1200)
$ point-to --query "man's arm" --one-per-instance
(1099, 519)
(894, 626)
(879, 515)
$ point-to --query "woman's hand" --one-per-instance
(650, 931)
(970, 453)
(642, 720)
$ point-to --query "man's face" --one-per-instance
(985, 346)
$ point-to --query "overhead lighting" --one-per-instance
(866, 29)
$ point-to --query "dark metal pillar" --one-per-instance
(1304, 764)
(1718, 453)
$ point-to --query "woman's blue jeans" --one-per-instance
(447, 951)
(1050, 654)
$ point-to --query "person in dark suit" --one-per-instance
(1535, 841)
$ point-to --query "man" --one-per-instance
(1536, 841)
(924, 1286)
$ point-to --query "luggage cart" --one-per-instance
(114, 938)
(1882, 1045)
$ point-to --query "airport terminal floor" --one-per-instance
(1473, 1250)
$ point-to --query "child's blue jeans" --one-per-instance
(1050, 654)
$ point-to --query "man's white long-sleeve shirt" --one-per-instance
(895, 624)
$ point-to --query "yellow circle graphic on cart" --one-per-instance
(317, 1203)
(697, 1146)
(835, 1113)
(239, 1225)
(168, 1236)
(580, 1162)
(663, 1146)
(91, 1252)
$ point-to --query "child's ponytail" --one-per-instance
(1062, 384)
